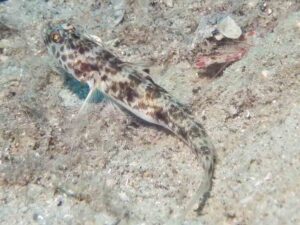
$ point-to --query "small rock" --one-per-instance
(229, 28)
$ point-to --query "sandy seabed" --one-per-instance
(105, 167)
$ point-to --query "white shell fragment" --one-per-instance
(229, 28)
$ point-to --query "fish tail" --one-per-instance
(194, 135)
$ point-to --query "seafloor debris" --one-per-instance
(217, 27)
(225, 45)
(218, 59)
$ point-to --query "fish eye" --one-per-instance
(56, 37)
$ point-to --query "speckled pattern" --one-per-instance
(130, 88)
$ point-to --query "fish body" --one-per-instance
(131, 88)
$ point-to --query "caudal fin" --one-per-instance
(194, 135)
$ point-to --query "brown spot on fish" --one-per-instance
(64, 58)
(146, 70)
(134, 80)
(152, 92)
(123, 90)
(104, 78)
(81, 50)
(130, 94)
(71, 56)
(77, 72)
(62, 48)
(110, 70)
(141, 105)
(115, 63)
(106, 55)
(114, 87)
(161, 115)
(88, 67)
(122, 85)
(112, 60)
